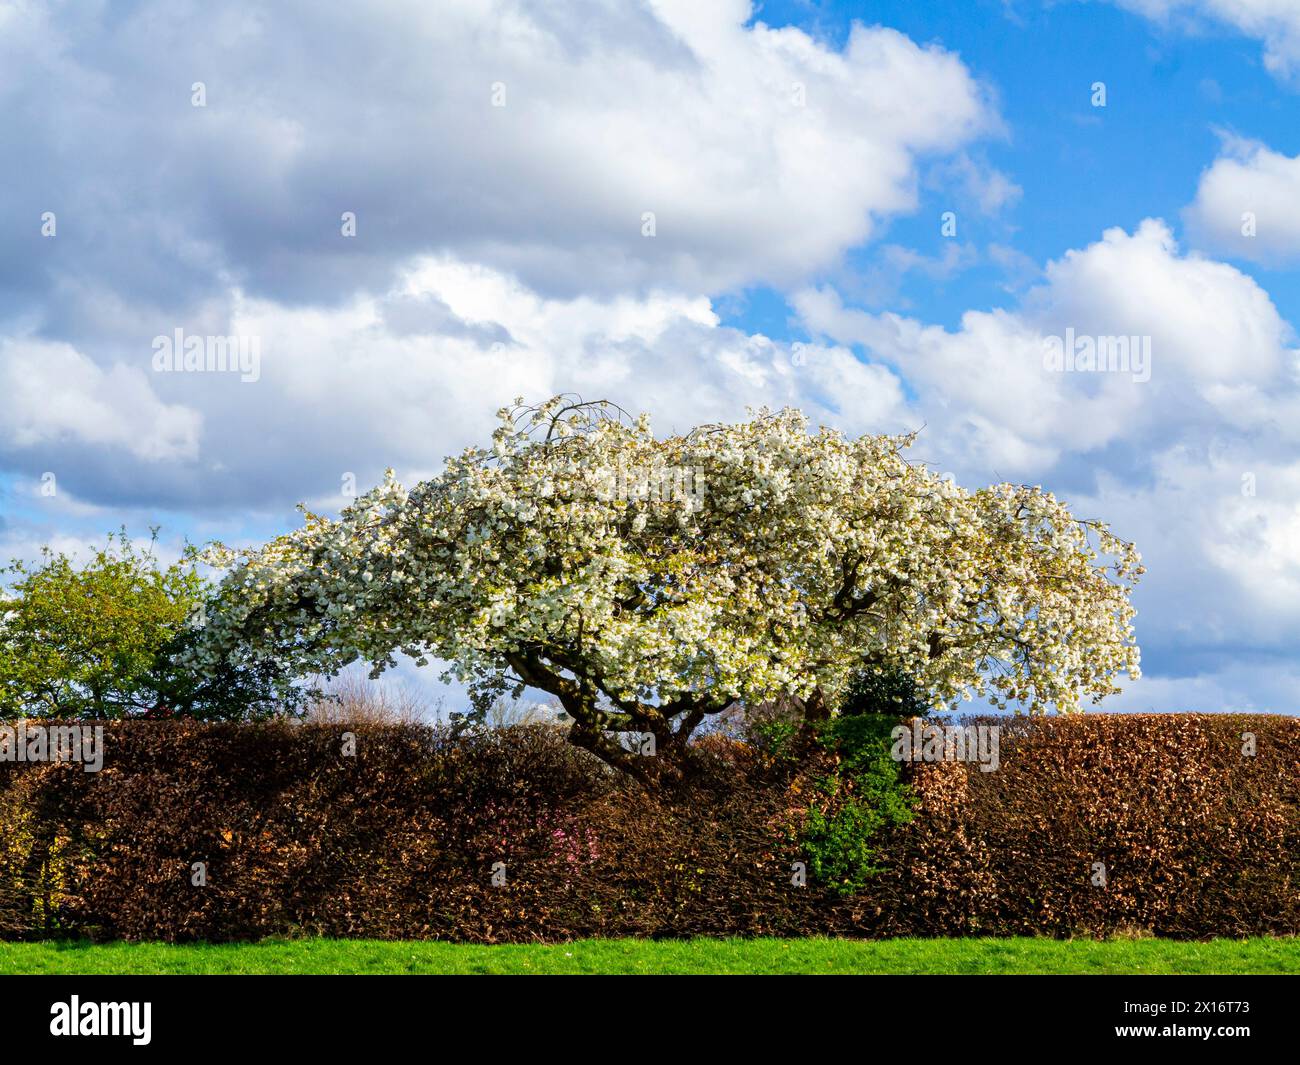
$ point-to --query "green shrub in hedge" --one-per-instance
(863, 798)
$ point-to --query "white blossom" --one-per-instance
(809, 554)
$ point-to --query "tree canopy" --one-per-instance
(105, 639)
(650, 582)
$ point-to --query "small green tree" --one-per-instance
(858, 803)
(105, 640)
(883, 689)
(864, 796)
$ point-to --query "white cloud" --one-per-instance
(414, 397)
(1274, 22)
(1216, 515)
(986, 189)
(403, 379)
(1199, 466)
(1248, 204)
(1211, 323)
(1218, 348)
(52, 394)
(1246, 686)
(763, 153)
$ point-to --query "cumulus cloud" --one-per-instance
(1218, 349)
(1216, 516)
(400, 378)
(1197, 465)
(1246, 683)
(1274, 22)
(52, 396)
(762, 154)
(499, 250)
(1248, 204)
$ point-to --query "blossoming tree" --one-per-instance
(648, 583)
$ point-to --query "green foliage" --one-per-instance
(883, 689)
(862, 799)
(85, 642)
(777, 739)
(107, 639)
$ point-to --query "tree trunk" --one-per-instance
(815, 707)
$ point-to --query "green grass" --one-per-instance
(666, 956)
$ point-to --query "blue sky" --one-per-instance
(798, 159)
(1170, 93)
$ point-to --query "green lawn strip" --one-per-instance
(901, 956)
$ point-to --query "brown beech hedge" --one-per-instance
(1091, 825)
